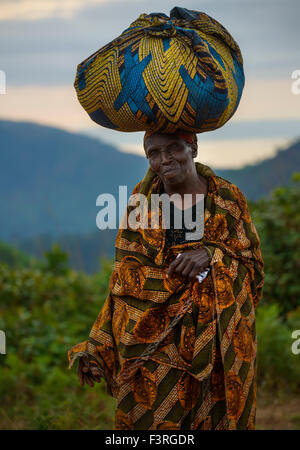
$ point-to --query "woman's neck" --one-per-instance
(195, 185)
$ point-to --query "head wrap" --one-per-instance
(204, 86)
(190, 138)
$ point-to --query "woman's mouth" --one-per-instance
(169, 170)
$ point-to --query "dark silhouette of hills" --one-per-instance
(260, 179)
(50, 179)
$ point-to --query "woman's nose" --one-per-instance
(164, 157)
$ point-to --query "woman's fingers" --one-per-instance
(188, 268)
(85, 375)
(190, 263)
(194, 272)
(80, 373)
(81, 380)
(173, 265)
(180, 267)
(88, 380)
(96, 374)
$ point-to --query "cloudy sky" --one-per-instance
(42, 41)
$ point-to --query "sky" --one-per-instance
(43, 41)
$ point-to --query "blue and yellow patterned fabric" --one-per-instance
(163, 74)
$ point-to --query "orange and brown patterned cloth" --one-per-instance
(203, 374)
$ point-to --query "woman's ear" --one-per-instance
(194, 150)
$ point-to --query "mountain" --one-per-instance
(50, 179)
(260, 179)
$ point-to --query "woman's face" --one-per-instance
(170, 157)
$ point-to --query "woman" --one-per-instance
(175, 352)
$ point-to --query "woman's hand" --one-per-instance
(86, 373)
(190, 263)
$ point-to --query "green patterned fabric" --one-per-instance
(203, 374)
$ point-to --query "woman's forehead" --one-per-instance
(160, 139)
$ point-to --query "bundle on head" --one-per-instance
(163, 74)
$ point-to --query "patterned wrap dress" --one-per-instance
(202, 373)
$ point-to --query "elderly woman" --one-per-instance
(177, 352)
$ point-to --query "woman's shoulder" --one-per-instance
(224, 184)
(230, 191)
(136, 188)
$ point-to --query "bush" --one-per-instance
(278, 367)
(44, 312)
(278, 224)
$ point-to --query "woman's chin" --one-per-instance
(171, 176)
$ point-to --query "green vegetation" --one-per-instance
(278, 367)
(46, 307)
(278, 224)
(14, 257)
(44, 311)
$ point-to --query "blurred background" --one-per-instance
(54, 162)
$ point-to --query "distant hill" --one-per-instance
(85, 250)
(50, 179)
(260, 179)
